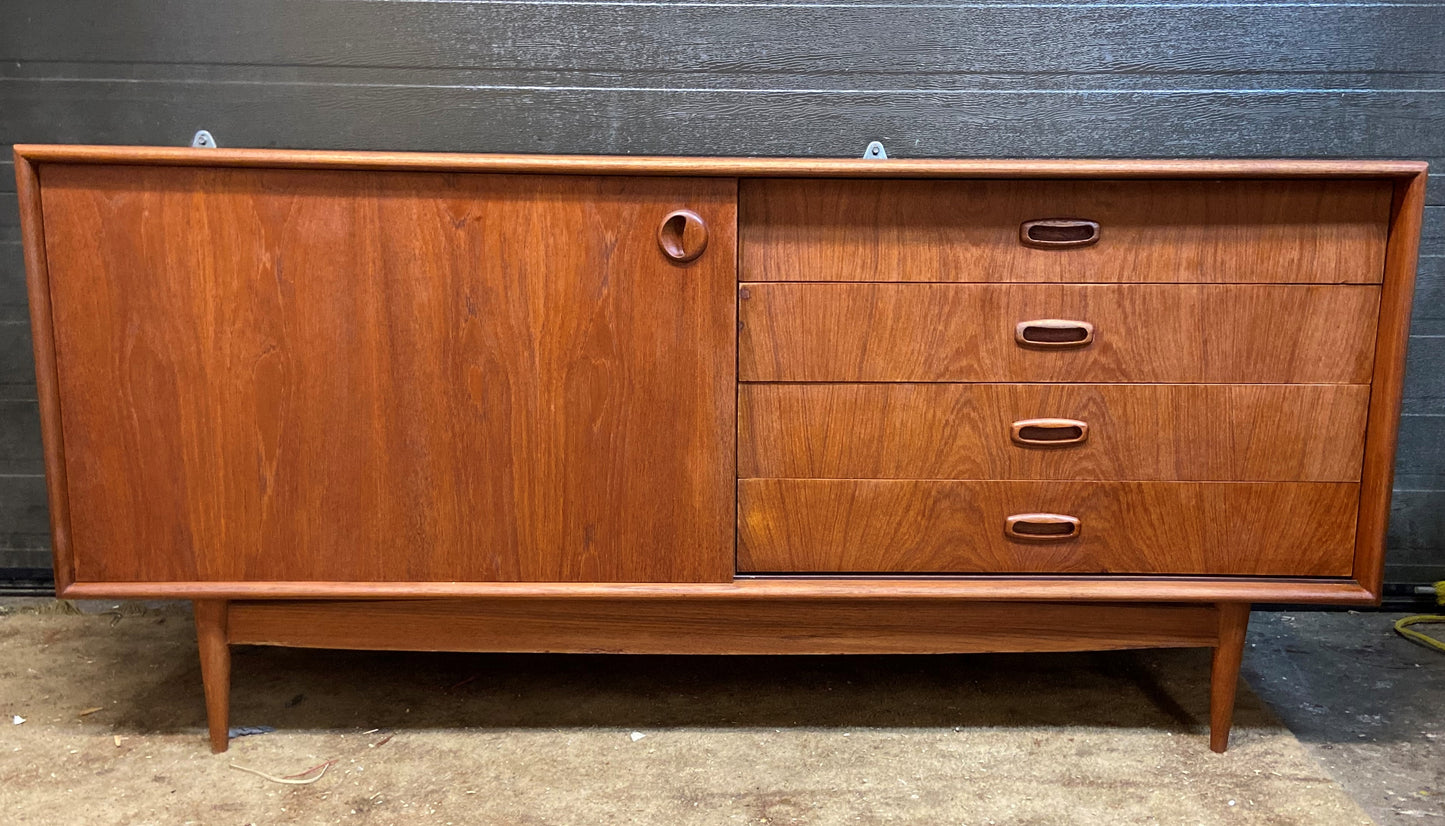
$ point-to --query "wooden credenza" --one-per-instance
(528, 403)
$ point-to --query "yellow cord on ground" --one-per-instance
(1402, 626)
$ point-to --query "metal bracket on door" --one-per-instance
(203, 140)
(875, 152)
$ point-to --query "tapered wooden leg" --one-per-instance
(1233, 621)
(215, 668)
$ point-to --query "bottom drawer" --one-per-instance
(929, 526)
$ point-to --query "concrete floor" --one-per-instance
(113, 733)
(1368, 704)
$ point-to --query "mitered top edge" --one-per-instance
(718, 166)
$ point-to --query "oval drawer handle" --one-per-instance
(1054, 333)
(1041, 527)
(1059, 233)
(1049, 432)
(682, 236)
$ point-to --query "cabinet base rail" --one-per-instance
(718, 626)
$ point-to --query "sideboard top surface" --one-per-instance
(727, 167)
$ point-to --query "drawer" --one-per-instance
(1198, 432)
(1136, 333)
(920, 526)
(1298, 231)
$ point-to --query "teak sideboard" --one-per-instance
(713, 405)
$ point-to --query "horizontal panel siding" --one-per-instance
(1425, 379)
(20, 436)
(756, 39)
(17, 362)
(1428, 316)
(705, 122)
(1421, 463)
(990, 78)
(13, 304)
(1432, 228)
(1417, 521)
(24, 524)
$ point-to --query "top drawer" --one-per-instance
(1230, 231)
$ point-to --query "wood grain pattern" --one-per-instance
(702, 626)
(1224, 672)
(213, 643)
(848, 167)
(1389, 382)
(908, 526)
(1154, 231)
(1143, 333)
(287, 375)
(1304, 433)
(1092, 588)
(47, 386)
(1107, 588)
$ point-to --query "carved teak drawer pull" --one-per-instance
(1041, 527)
(1054, 333)
(1049, 432)
(682, 236)
(1059, 233)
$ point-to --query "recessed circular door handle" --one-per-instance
(1041, 527)
(682, 236)
(1048, 432)
(1054, 333)
(1059, 233)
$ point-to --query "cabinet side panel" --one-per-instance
(372, 376)
(37, 282)
(1387, 387)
